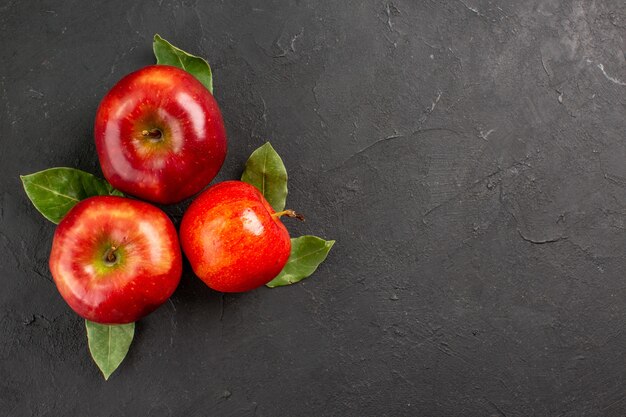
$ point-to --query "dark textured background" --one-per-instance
(468, 156)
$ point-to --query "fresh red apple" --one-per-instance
(233, 239)
(160, 135)
(114, 259)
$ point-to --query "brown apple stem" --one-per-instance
(109, 255)
(289, 213)
(154, 134)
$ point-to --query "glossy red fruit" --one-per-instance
(160, 135)
(114, 259)
(233, 239)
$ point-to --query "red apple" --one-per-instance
(160, 135)
(114, 259)
(233, 239)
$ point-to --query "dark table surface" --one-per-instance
(469, 157)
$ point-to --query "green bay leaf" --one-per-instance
(266, 171)
(109, 344)
(168, 54)
(55, 191)
(307, 253)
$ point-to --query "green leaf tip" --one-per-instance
(266, 171)
(109, 344)
(168, 54)
(307, 253)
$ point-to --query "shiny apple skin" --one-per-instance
(147, 266)
(231, 238)
(192, 146)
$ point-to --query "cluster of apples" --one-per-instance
(160, 138)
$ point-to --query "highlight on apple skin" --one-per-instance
(115, 260)
(160, 135)
(233, 239)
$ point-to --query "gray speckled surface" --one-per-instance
(468, 156)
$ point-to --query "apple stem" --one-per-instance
(154, 134)
(109, 255)
(289, 213)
